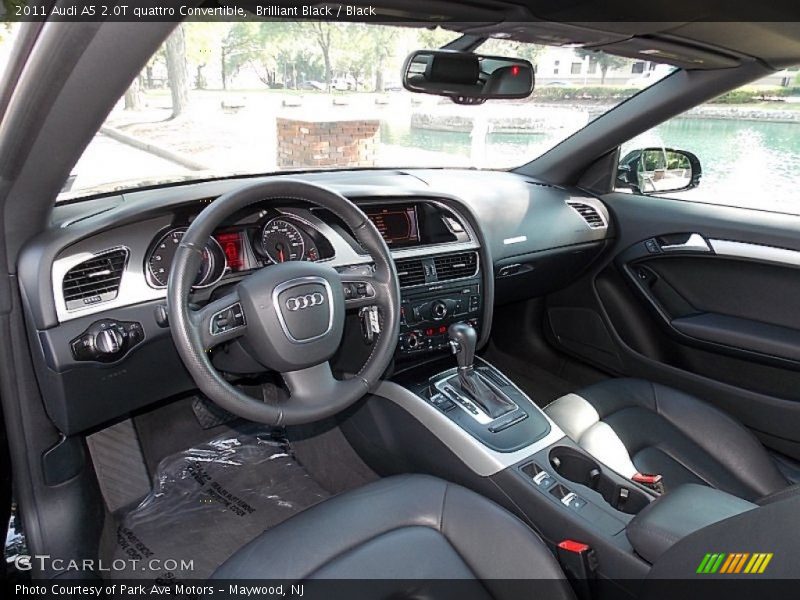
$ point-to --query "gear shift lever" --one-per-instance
(463, 340)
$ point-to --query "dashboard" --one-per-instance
(463, 242)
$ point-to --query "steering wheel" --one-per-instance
(289, 316)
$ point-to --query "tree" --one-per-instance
(271, 49)
(177, 71)
(383, 45)
(431, 39)
(323, 34)
(204, 43)
(133, 95)
(603, 60)
(511, 48)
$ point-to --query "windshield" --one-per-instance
(221, 99)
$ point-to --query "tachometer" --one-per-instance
(281, 241)
(159, 262)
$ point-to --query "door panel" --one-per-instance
(702, 297)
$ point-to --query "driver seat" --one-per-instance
(400, 528)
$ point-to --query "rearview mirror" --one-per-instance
(467, 78)
(659, 170)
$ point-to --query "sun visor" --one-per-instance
(666, 51)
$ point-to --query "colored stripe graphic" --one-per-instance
(703, 563)
(714, 567)
(740, 564)
(736, 562)
(755, 562)
(764, 564)
(729, 562)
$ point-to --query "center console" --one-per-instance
(449, 413)
(480, 400)
(462, 419)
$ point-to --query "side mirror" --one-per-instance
(659, 170)
(467, 78)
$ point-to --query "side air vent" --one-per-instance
(589, 213)
(456, 266)
(94, 280)
(410, 272)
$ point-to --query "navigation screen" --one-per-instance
(398, 224)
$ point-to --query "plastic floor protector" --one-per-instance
(209, 501)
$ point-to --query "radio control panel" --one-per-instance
(427, 312)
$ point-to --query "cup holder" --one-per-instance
(583, 469)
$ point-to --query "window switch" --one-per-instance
(573, 501)
(543, 479)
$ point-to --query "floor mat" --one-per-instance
(119, 464)
(209, 501)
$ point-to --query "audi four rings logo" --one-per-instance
(303, 302)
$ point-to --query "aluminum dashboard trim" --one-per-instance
(135, 287)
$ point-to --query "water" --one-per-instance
(503, 149)
(754, 164)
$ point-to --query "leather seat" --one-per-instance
(400, 528)
(632, 425)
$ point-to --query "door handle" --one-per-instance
(688, 242)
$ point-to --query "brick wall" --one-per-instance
(351, 143)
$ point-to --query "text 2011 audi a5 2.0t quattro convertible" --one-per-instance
(488, 299)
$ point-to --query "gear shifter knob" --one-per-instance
(463, 338)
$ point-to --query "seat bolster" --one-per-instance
(728, 441)
(789, 492)
(573, 414)
(492, 541)
(298, 547)
(743, 466)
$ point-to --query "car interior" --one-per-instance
(528, 375)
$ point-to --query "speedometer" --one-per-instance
(281, 241)
(159, 261)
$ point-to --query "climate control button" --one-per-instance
(412, 341)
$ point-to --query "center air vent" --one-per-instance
(410, 271)
(589, 214)
(456, 266)
(94, 280)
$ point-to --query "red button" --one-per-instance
(573, 546)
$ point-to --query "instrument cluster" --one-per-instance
(269, 239)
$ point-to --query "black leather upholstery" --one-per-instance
(633, 426)
(767, 529)
(405, 527)
(686, 509)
